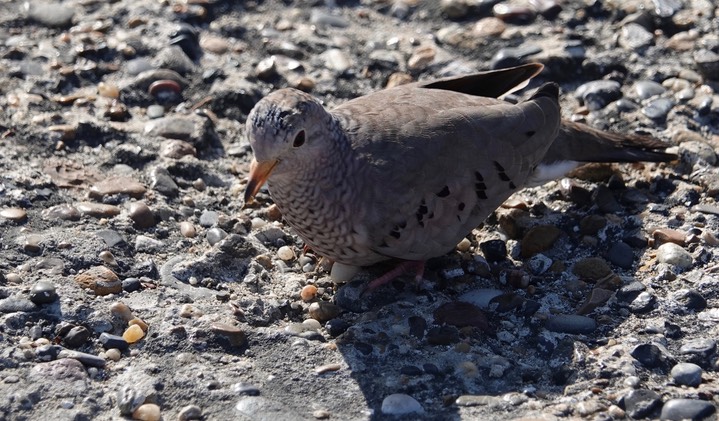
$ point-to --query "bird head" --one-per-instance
(283, 130)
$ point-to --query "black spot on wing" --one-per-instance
(444, 192)
(397, 230)
(421, 212)
(479, 186)
(503, 175)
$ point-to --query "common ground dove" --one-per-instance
(407, 172)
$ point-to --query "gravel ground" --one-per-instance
(134, 284)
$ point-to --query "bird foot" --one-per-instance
(416, 266)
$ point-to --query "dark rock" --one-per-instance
(43, 292)
(687, 409)
(109, 341)
(640, 403)
(620, 254)
(653, 356)
(443, 335)
(77, 336)
(494, 250)
(570, 323)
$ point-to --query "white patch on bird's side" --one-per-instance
(549, 172)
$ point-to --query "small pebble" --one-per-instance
(464, 245)
(401, 404)
(687, 374)
(189, 413)
(308, 293)
(285, 253)
(43, 292)
(674, 255)
(187, 229)
(147, 412)
(122, 310)
(133, 334)
(215, 235)
(323, 311)
(141, 215)
(569, 323)
(14, 214)
(109, 341)
(341, 273)
(113, 354)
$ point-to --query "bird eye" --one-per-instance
(299, 139)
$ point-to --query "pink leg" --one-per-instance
(416, 266)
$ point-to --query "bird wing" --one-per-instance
(436, 162)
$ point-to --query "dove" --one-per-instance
(407, 172)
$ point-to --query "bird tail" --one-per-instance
(581, 143)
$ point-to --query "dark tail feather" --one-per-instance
(581, 143)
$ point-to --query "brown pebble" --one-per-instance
(709, 238)
(62, 212)
(147, 412)
(108, 90)
(67, 131)
(214, 44)
(141, 215)
(32, 243)
(97, 210)
(591, 224)
(273, 213)
(99, 279)
(397, 79)
(308, 293)
(489, 27)
(421, 57)
(668, 235)
(199, 184)
(14, 214)
(122, 310)
(187, 229)
(323, 311)
(117, 111)
(610, 282)
(539, 239)
(517, 278)
(157, 87)
(117, 185)
(136, 321)
(597, 298)
(506, 302)
(234, 334)
(460, 314)
(176, 149)
(108, 258)
(591, 269)
(305, 84)
(327, 368)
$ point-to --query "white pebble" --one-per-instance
(342, 273)
(285, 253)
(258, 223)
(464, 245)
(674, 255)
(400, 404)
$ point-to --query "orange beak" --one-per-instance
(259, 173)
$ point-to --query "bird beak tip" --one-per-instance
(259, 173)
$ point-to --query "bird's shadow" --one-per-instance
(398, 342)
